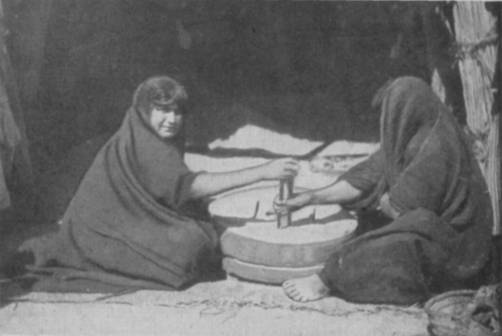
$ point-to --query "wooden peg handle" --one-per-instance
(285, 192)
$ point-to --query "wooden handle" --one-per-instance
(285, 191)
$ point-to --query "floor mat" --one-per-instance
(226, 307)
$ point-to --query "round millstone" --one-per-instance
(251, 236)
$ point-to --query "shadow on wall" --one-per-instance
(310, 68)
(315, 117)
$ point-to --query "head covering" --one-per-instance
(161, 92)
(151, 154)
(441, 239)
(409, 109)
(428, 160)
(125, 216)
(424, 158)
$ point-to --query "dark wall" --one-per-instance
(311, 67)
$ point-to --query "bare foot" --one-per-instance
(310, 288)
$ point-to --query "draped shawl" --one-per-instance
(425, 162)
(125, 218)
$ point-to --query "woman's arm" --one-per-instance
(206, 184)
(338, 192)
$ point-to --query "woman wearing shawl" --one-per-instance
(126, 223)
(426, 181)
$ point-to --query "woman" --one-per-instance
(126, 223)
(426, 181)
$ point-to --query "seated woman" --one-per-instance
(126, 220)
(426, 181)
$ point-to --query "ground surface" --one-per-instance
(228, 307)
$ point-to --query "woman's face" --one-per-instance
(166, 122)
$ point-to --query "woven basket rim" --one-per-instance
(439, 318)
(441, 297)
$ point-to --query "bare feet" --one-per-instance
(310, 288)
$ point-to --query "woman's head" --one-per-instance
(160, 102)
(407, 99)
(407, 105)
(409, 109)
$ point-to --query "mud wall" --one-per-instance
(311, 67)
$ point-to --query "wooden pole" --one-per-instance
(285, 192)
(476, 33)
(21, 162)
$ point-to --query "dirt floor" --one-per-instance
(228, 307)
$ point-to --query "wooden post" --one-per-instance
(18, 148)
(444, 74)
(476, 32)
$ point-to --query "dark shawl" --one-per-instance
(424, 160)
(425, 164)
(125, 218)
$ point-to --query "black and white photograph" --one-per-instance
(250, 167)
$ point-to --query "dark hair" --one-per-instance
(162, 92)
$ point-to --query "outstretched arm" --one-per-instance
(206, 184)
(338, 192)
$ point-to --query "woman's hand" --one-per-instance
(387, 208)
(280, 169)
(295, 202)
(206, 184)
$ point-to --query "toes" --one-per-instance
(295, 292)
(303, 299)
(287, 284)
(287, 289)
(295, 295)
(290, 294)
